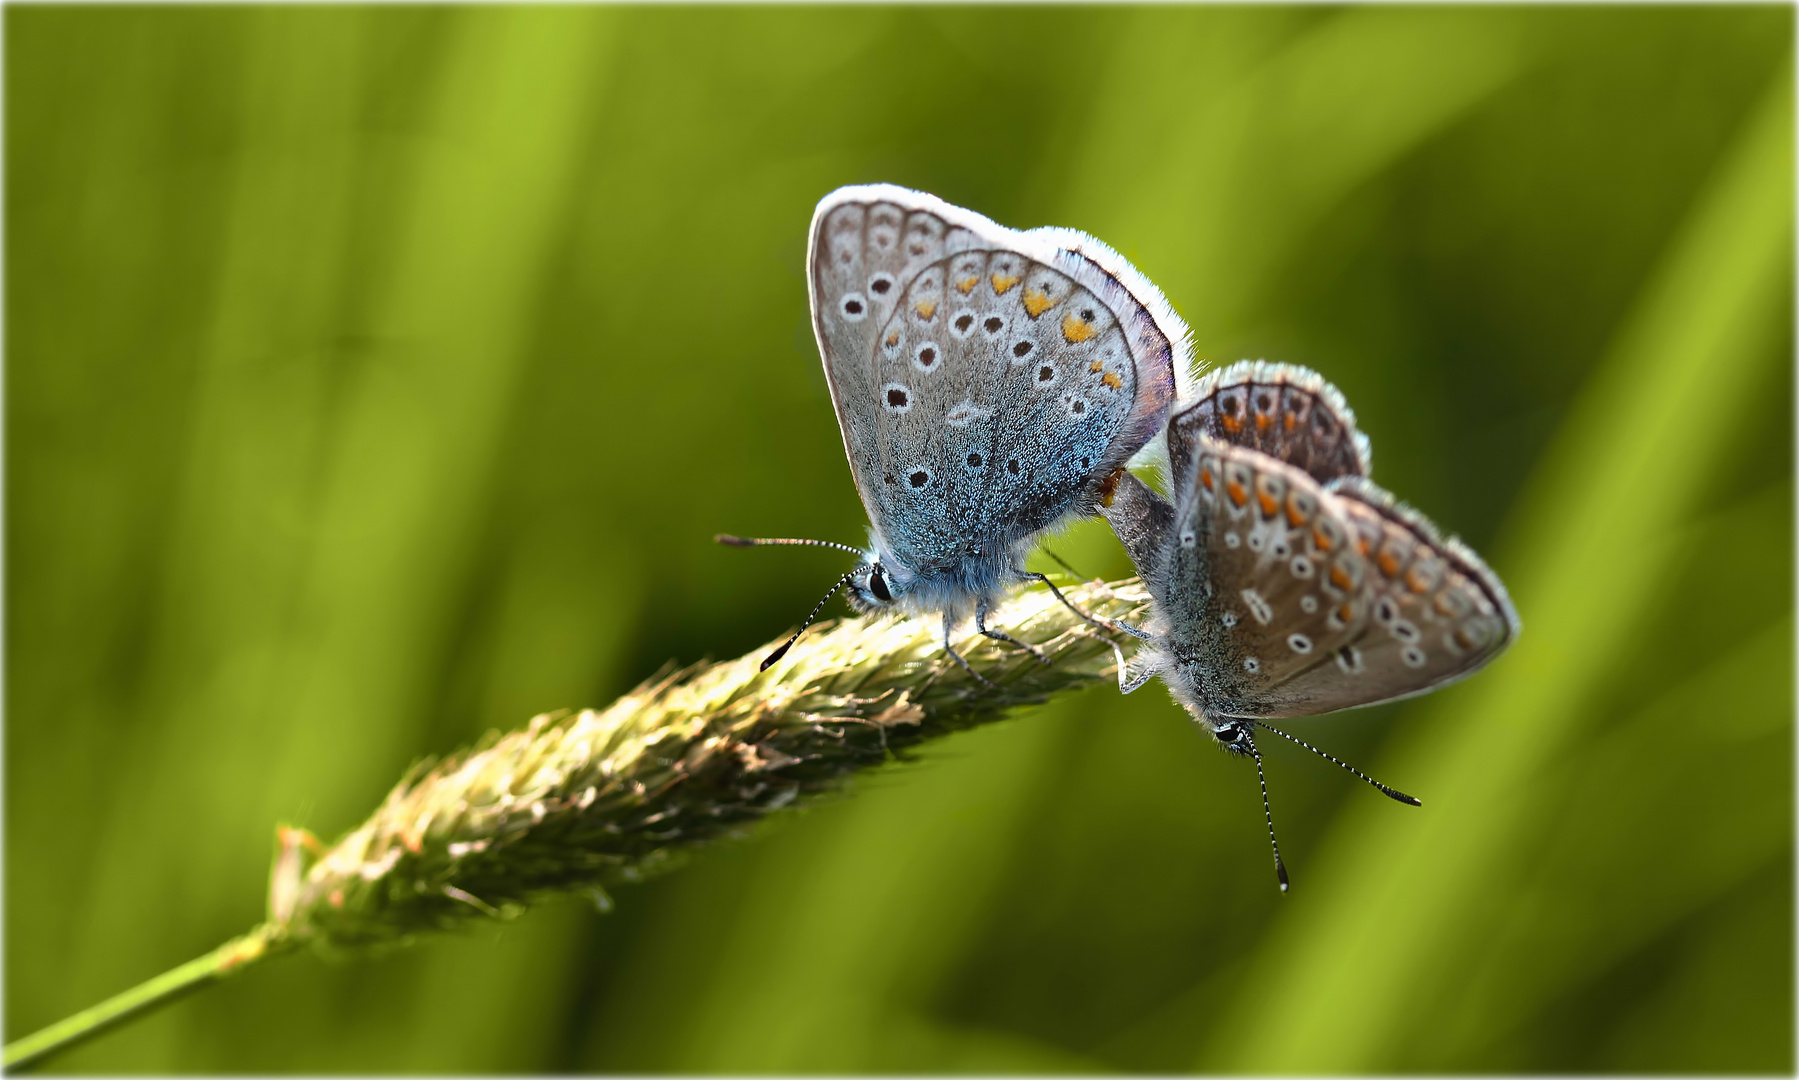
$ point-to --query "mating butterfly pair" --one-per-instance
(991, 384)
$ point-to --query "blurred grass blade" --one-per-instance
(1345, 984)
(1329, 109)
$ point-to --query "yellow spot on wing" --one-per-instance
(1036, 302)
(1073, 329)
(1097, 365)
(893, 338)
(1112, 380)
(1003, 284)
(967, 284)
(926, 308)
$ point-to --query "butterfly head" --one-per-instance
(872, 587)
(1234, 736)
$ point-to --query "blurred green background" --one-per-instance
(379, 376)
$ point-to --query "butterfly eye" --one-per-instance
(878, 585)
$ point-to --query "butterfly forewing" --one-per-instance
(863, 256)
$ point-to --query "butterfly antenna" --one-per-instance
(775, 656)
(1280, 868)
(781, 541)
(1390, 793)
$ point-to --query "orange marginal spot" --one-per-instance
(1236, 492)
(1320, 540)
(1232, 425)
(1108, 488)
(1036, 302)
(1445, 607)
(1361, 544)
(1466, 639)
(1205, 477)
(926, 308)
(967, 284)
(1262, 421)
(1388, 562)
(1346, 613)
(1002, 284)
(893, 339)
(1097, 365)
(1291, 421)
(1112, 380)
(1269, 503)
(1340, 577)
(1294, 517)
(1073, 329)
(1416, 581)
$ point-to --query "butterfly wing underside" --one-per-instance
(1288, 412)
(1288, 598)
(985, 381)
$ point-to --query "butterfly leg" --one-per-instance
(1128, 683)
(1134, 682)
(1135, 631)
(980, 623)
(1108, 624)
(948, 625)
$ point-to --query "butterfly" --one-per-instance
(990, 385)
(1286, 583)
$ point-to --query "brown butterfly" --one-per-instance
(1287, 583)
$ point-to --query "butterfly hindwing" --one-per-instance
(1284, 597)
(986, 381)
(1436, 613)
(1288, 412)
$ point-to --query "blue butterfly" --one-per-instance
(990, 385)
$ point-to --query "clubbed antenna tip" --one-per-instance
(1391, 793)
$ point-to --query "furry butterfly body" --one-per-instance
(989, 385)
